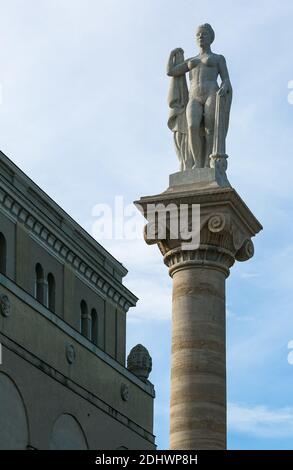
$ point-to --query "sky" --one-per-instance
(83, 112)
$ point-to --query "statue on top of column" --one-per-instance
(199, 117)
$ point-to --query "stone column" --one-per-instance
(198, 373)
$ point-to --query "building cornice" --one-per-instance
(27, 204)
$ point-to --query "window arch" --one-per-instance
(39, 284)
(94, 326)
(84, 320)
(51, 292)
(2, 254)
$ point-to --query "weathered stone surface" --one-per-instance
(198, 377)
(201, 177)
(59, 358)
(198, 371)
(199, 116)
(139, 362)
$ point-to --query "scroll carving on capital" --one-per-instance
(223, 229)
(216, 230)
(216, 223)
(232, 236)
(153, 232)
(246, 251)
(199, 115)
(151, 235)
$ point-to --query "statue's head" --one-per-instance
(205, 35)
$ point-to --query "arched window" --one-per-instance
(40, 284)
(2, 254)
(51, 292)
(84, 319)
(94, 327)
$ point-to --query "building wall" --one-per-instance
(7, 227)
(35, 356)
(32, 414)
(24, 253)
(61, 385)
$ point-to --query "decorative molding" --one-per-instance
(227, 197)
(107, 285)
(222, 240)
(226, 228)
(206, 256)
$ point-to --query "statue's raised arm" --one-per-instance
(199, 117)
(177, 66)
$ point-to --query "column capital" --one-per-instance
(220, 227)
(225, 227)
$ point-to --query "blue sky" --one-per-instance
(84, 114)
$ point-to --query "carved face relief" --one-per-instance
(70, 353)
(124, 392)
(5, 305)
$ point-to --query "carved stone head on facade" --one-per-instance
(5, 305)
(124, 392)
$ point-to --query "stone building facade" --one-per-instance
(63, 379)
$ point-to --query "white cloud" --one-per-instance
(249, 275)
(155, 304)
(260, 421)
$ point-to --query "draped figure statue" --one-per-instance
(199, 117)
